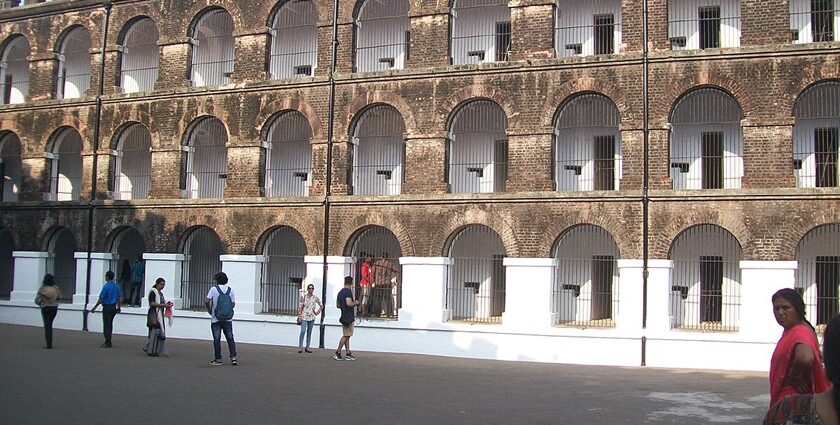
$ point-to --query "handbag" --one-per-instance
(152, 319)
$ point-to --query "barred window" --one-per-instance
(475, 291)
(815, 135)
(378, 151)
(480, 31)
(382, 35)
(73, 78)
(477, 148)
(288, 155)
(61, 262)
(139, 56)
(127, 246)
(294, 40)
(212, 49)
(377, 271)
(818, 273)
(813, 21)
(132, 163)
(10, 167)
(587, 28)
(283, 271)
(202, 260)
(704, 25)
(204, 160)
(66, 166)
(14, 71)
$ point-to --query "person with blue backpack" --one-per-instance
(220, 302)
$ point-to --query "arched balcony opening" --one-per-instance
(814, 21)
(477, 149)
(132, 163)
(14, 71)
(7, 264)
(61, 262)
(294, 40)
(377, 271)
(587, 28)
(586, 278)
(705, 287)
(587, 147)
(11, 169)
(480, 31)
(711, 24)
(139, 56)
(212, 49)
(707, 145)
(382, 35)
(205, 160)
(818, 273)
(378, 151)
(66, 166)
(816, 135)
(283, 272)
(475, 291)
(73, 78)
(127, 247)
(202, 260)
(288, 155)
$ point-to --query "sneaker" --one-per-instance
(349, 357)
(216, 363)
(105, 345)
(307, 350)
(233, 361)
(337, 356)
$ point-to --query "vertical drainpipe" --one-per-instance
(646, 173)
(97, 118)
(328, 186)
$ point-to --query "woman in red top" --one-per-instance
(796, 367)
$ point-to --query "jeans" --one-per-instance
(109, 311)
(48, 314)
(225, 326)
(134, 296)
(305, 328)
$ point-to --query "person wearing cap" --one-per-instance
(346, 303)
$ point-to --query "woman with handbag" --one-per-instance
(154, 320)
(308, 308)
(47, 298)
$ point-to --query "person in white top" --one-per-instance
(308, 308)
(217, 326)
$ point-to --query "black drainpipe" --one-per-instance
(328, 185)
(97, 118)
(646, 173)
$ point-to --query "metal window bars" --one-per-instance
(133, 166)
(10, 167)
(585, 29)
(378, 151)
(288, 152)
(480, 31)
(62, 264)
(212, 49)
(705, 291)
(475, 290)
(477, 153)
(206, 164)
(817, 274)
(202, 252)
(14, 72)
(66, 174)
(73, 79)
(813, 21)
(381, 36)
(692, 26)
(294, 41)
(140, 56)
(815, 136)
(376, 253)
(283, 272)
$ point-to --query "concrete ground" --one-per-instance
(79, 383)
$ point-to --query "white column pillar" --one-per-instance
(167, 266)
(528, 293)
(659, 296)
(244, 273)
(337, 268)
(100, 262)
(759, 281)
(424, 290)
(630, 295)
(30, 267)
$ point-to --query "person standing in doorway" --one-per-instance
(47, 298)
(137, 273)
(220, 302)
(109, 297)
(125, 281)
(346, 303)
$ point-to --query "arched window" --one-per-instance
(127, 247)
(294, 40)
(480, 31)
(205, 160)
(816, 135)
(477, 148)
(14, 71)
(706, 141)
(705, 279)
(73, 79)
(813, 21)
(818, 272)
(283, 271)
(376, 255)
(132, 163)
(139, 56)
(288, 155)
(66, 166)
(7, 264)
(382, 35)
(704, 25)
(10, 167)
(586, 279)
(61, 262)
(202, 260)
(587, 28)
(212, 49)
(476, 288)
(587, 150)
(378, 151)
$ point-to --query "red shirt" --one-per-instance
(782, 357)
(365, 274)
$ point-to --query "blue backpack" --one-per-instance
(224, 305)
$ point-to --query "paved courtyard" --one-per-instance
(79, 383)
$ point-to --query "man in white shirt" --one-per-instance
(217, 326)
